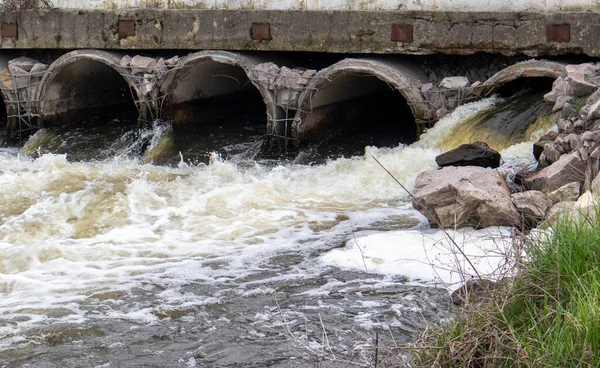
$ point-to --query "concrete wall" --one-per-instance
(372, 32)
(444, 5)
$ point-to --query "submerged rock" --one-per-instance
(464, 196)
(473, 154)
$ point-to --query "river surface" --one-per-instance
(213, 258)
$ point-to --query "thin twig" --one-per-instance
(434, 219)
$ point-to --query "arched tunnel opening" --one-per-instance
(517, 115)
(355, 110)
(87, 91)
(87, 107)
(213, 107)
(533, 85)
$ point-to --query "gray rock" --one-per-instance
(551, 152)
(125, 61)
(532, 205)
(564, 125)
(454, 83)
(38, 70)
(568, 192)
(23, 63)
(560, 87)
(579, 125)
(567, 208)
(596, 185)
(464, 196)
(567, 143)
(538, 147)
(583, 79)
(569, 168)
(20, 76)
(560, 102)
(473, 154)
(568, 110)
(172, 61)
(142, 63)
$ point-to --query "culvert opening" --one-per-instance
(534, 85)
(357, 110)
(87, 91)
(88, 112)
(515, 117)
(214, 107)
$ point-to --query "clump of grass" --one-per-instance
(549, 316)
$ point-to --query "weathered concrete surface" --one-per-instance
(443, 5)
(525, 69)
(394, 32)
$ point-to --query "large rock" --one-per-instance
(473, 154)
(455, 83)
(560, 87)
(569, 168)
(568, 208)
(464, 196)
(532, 205)
(23, 62)
(583, 79)
(568, 192)
(538, 147)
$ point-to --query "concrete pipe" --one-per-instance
(212, 86)
(367, 94)
(85, 84)
(539, 72)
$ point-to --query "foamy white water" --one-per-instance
(86, 243)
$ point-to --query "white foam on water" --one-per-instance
(429, 256)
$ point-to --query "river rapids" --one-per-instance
(108, 259)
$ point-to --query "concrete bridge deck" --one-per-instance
(532, 33)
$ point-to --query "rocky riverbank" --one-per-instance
(469, 191)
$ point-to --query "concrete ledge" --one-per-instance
(379, 32)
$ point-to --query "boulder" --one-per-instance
(561, 102)
(38, 70)
(125, 61)
(538, 147)
(142, 63)
(464, 196)
(23, 62)
(583, 79)
(473, 154)
(567, 208)
(560, 87)
(568, 192)
(569, 168)
(532, 205)
(455, 83)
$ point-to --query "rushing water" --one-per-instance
(107, 260)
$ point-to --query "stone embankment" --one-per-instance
(564, 180)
